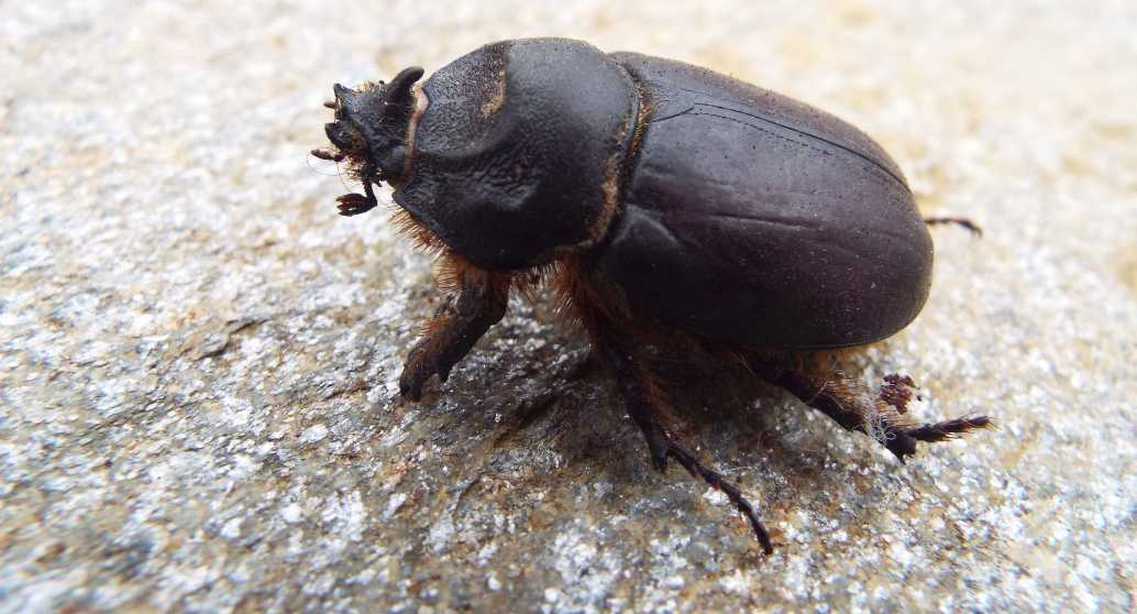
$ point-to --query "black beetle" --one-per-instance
(668, 204)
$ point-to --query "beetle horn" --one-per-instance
(398, 91)
(387, 134)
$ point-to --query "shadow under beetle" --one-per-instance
(667, 205)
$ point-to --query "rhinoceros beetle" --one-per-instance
(666, 204)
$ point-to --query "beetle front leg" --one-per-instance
(462, 319)
(645, 405)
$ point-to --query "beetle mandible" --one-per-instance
(667, 204)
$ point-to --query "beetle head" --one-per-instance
(371, 124)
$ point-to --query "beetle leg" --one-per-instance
(960, 221)
(641, 399)
(643, 402)
(850, 403)
(459, 322)
(354, 204)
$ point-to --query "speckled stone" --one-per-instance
(198, 357)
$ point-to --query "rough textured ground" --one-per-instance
(197, 356)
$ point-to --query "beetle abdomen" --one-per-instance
(753, 219)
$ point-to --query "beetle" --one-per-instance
(667, 204)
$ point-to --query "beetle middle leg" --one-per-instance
(643, 400)
(852, 405)
(478, 302)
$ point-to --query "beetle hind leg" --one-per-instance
(852, 405)
(949, 429)
(962, 222)
(644, 404)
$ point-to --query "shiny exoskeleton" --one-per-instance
(668, 204)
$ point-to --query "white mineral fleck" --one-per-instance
(292, 513)
(232, 529)
(314, 434)
(393, 504)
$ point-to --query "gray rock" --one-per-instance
(198, 358)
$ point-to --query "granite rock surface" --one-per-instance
(198, 357)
